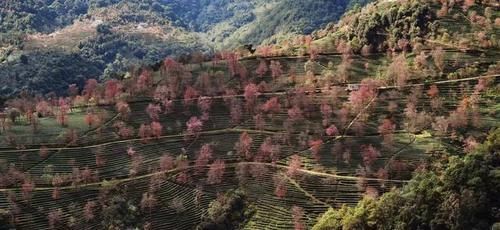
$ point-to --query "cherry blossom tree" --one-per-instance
(360, 98)
(280, 186)
(259, 121)
(144, 81)
(89, 90)
(386, 130)
(236, 112)
(332, 130)
(204, 104)
(112, 89)
(89, 210)
(216, 172)
(156, 129)
(315, 146)
(123, 109)
(297, 215)
(136, 164)
(90, 119)
(398, 71)
(370, 155)
(57, 181)
(54, 218)
(62, 114)
(190, 96)
(343, 69)
(166, 162)
(43, 108)
(326, 112)
(148, 202)
(194, 126)
(262, 69)
(182, 163)
(383, 175)
(243, 146)
(272, 106)
(294, 166)
(124, 131)
(100, 159)
(251, 93)
(153, 110)
(145, 132)
(204, 156)
(269, 150)
(276, 69)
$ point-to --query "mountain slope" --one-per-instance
(111, 36)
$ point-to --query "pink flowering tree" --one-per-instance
(236, 112)
(370, 155)
(216, 172)
(271, 106)
(262, 69)
(194, 126)
(269, 150)
(315, 146)
(205, 154)
(204, 105)
(190, 96)
(297, 215)
(123, 109)
(251, 93)
(280, 184)
(156, 129)
(154, 110)
(386, 130)
(166, 162)
(276, 69)
(243, 146)
(294, 166)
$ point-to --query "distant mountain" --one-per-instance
(47, 44)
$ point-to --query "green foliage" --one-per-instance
(229, 211)
(120, 213)
(464, 195)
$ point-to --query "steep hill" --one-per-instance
(42, 41)
(384, 138)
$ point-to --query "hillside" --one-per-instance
(376, 124)
(45, 40)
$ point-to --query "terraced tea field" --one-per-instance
(102, 167)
